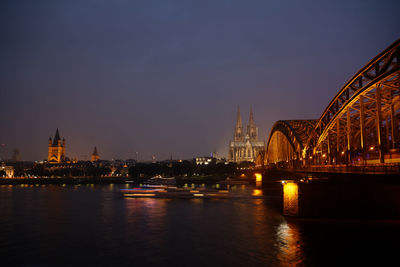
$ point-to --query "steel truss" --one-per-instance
(359, 126)
(287, 140)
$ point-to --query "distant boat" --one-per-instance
(159, 191)
(159, 180)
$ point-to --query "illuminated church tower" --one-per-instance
(252, 130)
(95, 155)
(238, 135)
(245, 147)
(56, 149)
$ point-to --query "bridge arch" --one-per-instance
(361, 123)
(286, 141)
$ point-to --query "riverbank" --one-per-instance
(210, 179)
(65, 180)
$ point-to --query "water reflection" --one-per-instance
(289, 243)
(290, 199)
(150, 209)
(145, 226)
(257, 192)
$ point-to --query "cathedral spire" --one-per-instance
(245, 147)
(251, 119)
(57, 135)
(238, 136)
(56, 138)
(238, 118)
(252, 130)
(95, 155)
(56, 149)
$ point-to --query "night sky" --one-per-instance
(165, 78)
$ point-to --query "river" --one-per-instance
(94, 225)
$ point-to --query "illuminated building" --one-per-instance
(245, 147)
(205, 160)
(95, 155)
(56, 149)
(9, 170)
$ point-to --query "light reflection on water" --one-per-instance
(257, 192)
(289, 243)
(94, 225)
(81, 220)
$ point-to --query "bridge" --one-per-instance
(359, 127)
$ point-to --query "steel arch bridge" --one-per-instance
(287, 140)
(360, 126)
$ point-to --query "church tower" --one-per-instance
(238, 135)
(245, 147)
(252, 130)
(95, 155)
(56, 151)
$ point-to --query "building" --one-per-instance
(205, 160)
(56, 149)
(9, 170)
(245, 147)
(95, 155)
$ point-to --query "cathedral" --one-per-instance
(95, 155)
(245, 147)
(56, 149)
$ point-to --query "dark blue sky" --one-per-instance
(166, 77)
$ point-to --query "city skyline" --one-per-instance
(165, 79)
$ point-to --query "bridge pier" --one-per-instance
(338, 199)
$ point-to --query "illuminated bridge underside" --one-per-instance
(360, 125)
(287, 140)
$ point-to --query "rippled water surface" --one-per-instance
(94, 225)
